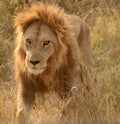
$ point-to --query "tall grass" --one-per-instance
(84, 107)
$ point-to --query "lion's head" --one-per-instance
(42, 38)
(38, 41)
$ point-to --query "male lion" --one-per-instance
(50, 47)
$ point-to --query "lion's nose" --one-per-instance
(34, 62)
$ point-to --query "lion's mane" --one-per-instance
(66, 55)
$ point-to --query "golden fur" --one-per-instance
(71, 48)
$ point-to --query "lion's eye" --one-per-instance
(28, 41)
(46, 43)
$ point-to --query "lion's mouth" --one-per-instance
(36, 71)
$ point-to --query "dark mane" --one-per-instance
(65, 57)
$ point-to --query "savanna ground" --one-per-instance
(103, 18)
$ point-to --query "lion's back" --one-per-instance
(81, 35)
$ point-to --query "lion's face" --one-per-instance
(39, 40)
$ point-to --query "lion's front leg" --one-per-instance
(25, 101)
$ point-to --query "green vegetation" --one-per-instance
(103, 17)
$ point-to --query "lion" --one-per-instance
(50, 46)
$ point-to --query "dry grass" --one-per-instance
(104, 106)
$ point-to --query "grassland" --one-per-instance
(103, 17)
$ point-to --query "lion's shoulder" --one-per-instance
(77, 25)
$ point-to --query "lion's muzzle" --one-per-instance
(34, 62)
